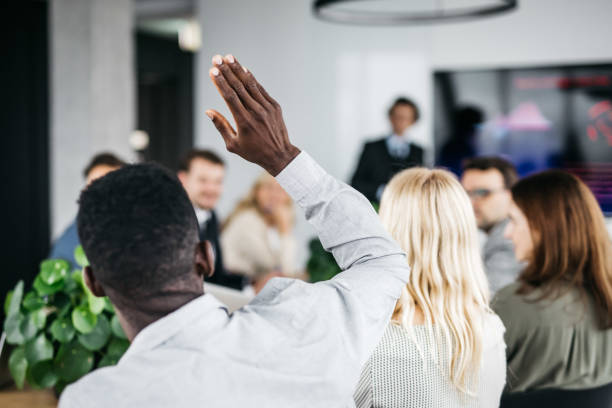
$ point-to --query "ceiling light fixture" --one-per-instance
(381, 12)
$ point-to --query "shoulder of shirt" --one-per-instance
(88, 390)
(375, 142)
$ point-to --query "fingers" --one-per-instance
(225, 129)
(247, 79)
(228, 94)
(235, 83)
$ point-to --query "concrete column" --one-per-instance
(92, 93)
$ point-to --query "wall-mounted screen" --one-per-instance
(538, 118)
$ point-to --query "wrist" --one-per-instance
(282, 160)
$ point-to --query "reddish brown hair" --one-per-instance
(571, 243)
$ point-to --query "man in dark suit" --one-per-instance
(201, 172)
(382, 158)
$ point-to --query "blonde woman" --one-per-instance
(444, 347)
(257, 238)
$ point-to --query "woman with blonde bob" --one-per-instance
(444, 347)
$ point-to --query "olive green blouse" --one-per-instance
(553, 343)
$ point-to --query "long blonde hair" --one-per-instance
(429, 214)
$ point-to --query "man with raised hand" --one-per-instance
(296, 344)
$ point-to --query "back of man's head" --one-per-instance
(105, 159)
(505, 168)
(139, 231)
(208, 155)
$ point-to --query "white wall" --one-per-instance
(92, 93)
(335, 82)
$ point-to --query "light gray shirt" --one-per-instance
(500, 264)
(295, 345)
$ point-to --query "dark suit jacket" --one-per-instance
(210, 232)
(376, 166)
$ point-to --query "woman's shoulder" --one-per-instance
(247, 218)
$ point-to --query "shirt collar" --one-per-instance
(169, 325)
(202, 215)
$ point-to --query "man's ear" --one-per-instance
(91, 282)
(204, 259)
(182, 176)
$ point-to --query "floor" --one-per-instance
(12, 398)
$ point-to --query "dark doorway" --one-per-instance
(165, 98)
(24, 144)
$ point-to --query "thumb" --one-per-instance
(223, 126)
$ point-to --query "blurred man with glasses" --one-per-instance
(488, 180)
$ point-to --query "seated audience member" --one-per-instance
(487, 181)
(444, 347)
(296, 344)
(99, 166)
(382, 158)
(257, 238)
(558, 315)
(201, 173)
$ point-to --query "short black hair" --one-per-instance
(402, 100)
(507, 169)
(138, 230)
(204, 154)
(103, 159)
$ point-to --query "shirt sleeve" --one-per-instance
(358, 302)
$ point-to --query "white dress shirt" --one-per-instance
(202, 215)
(295, 345)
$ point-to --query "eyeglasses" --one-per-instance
(481, 193)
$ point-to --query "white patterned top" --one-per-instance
(399, 375)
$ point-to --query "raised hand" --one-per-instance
(260, 136)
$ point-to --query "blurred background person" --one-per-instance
(382, 158)
(257, 237)
(558, 316)
(444, 347)
(487, 181)
(201, 172)
(462, 143)
(100, 165)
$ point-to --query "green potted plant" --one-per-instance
(60, 331)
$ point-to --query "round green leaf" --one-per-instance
(108, 306)
(108, 360)
(116, 327)
(28, 327)
(12, 327)
(7, 302)
(96, 304)
(83, 320)
(117, 347)
(77, 276)
(42, 374)
(40, 317)
(14, 302)
(44, 289)
(73, 361)
(18, 365)
(62, 330)
(79, 256)
(38, 349)
(53, 270)
(32, 301)
(97, 338)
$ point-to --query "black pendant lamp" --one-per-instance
(407, 12)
